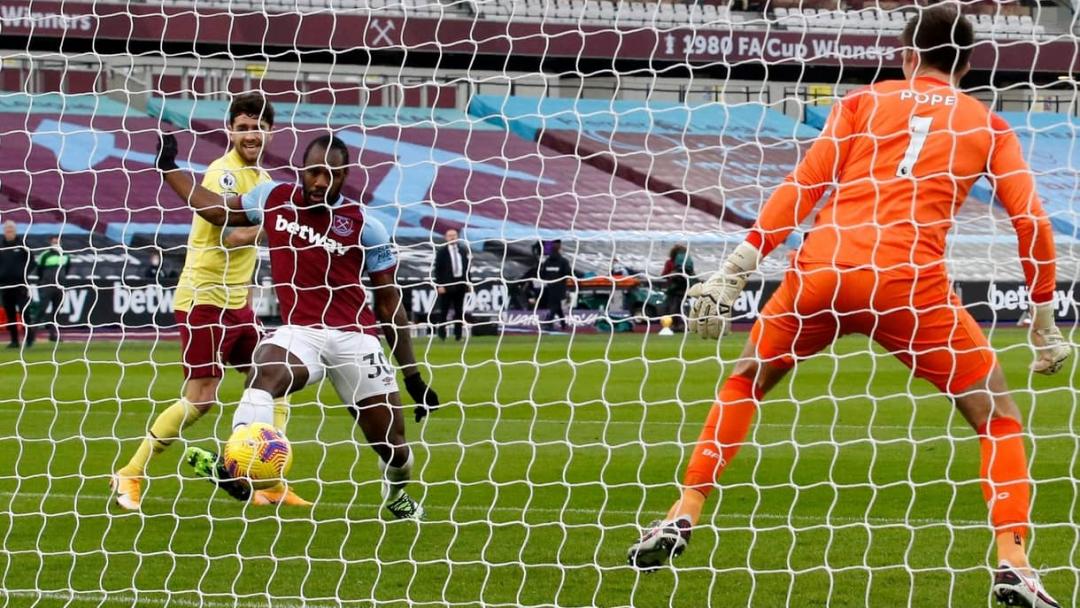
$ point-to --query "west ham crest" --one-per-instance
(343, 226)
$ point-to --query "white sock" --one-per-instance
(255, 406)
(395, 478)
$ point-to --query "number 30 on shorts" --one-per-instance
(378, 364)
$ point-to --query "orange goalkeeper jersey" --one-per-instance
(900, 157)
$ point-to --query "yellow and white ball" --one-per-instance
(259, 453)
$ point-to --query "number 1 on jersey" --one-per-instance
(920, 128)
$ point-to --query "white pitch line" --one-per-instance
(689, 424)
(846, 520)
(142, 599)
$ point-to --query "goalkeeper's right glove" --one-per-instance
(166, 153)
(710, 313)
(1051, 349)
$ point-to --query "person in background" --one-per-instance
(618, 268)
(622, 297)
(15, 264)
(53, 265)
(452, 265)
(677, 270)
(553, 274)
(525, 290)
(153, 267)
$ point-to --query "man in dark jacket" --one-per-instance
(452, 264)
(52, 267)
(679, 271)
(15, 264)
(554, 272)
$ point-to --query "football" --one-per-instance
(259, 453)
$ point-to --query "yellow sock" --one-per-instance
(281, 414)
(166, 428)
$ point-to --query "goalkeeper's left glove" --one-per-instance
(711, 312)
(1051, 349)
(426, 399)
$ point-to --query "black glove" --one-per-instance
(166, 153)
(426, 399)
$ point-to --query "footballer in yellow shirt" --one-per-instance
(217, 323)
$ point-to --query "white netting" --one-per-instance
(622, 129)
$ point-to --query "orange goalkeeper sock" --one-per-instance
(1005, 486)
(720, 439)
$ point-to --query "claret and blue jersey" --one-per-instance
(318, 256)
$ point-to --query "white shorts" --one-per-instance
(355, 361)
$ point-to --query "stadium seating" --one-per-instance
(88, 160)
(422, 169)
(1054, 153)
(16, 211)
(728, 157)
(873, 21)
(592, 12)
(432, 9)
(722, 159)
(608, 12)
(620, 13)
(513, 169)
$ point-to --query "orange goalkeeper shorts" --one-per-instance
(918, 320)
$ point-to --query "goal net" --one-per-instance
(639, 140)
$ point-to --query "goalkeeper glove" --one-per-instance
(1051, 349)
(166, 153)
(710, 313)
(426, 399)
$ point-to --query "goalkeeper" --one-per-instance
(217, 323)
(901, 157)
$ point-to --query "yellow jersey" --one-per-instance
(214, 274)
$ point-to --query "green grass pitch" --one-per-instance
(859, 489)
